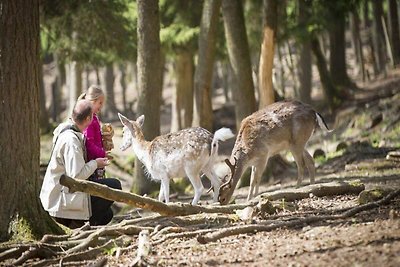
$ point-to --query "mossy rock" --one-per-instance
(372, 195)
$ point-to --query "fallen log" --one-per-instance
(319, 190)
(170, 209)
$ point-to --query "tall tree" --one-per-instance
(239, 56)
(338, 67)
(149, 80)
(110, 110)
(378, 36)
(356, 40)
(21, 215)
(305, 62)
(270, 21)
(394, 30)
(203, 115)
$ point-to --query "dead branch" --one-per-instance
(254, 228)
(170, 209)
(181, 235)
(319, 190)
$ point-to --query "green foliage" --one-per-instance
(95, 32)
(180, 21)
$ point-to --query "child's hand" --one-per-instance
(102, 162)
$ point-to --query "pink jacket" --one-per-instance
(94, 144)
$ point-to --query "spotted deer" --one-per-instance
(187, 152)
(285, 125)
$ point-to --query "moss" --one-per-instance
(21, 230)
(375, 194)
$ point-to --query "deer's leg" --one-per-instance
(215, 181)
(309, 161)
(165, 188)
(161, 194)
(297, 153)
(197, 185)
(255, 178)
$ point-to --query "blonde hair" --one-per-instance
(92, 93)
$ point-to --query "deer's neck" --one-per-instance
(141, 148)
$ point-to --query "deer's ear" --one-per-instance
(140, 120)
(124, 120)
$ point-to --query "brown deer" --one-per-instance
(187, 152)
(285, 125)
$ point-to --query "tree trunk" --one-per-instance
(266, 88)
(338, 68)
(110, 107)
(149, 80)
(203, 114)
(356, 41)
(378, 37)
(239, 56)
(182, 104)
(394, 31)
(326, 79)
(122, 69)
(305, 62)
(21, 215)
(74, 76)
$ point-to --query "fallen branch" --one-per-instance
(170, 209)
(254, 228)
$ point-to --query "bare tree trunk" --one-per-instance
(239, 56)
(378, 37)
(326, 80)
(21, 215)
(203, 115)
(182, 104)
(149, 80)
(356, 41)
(122, 69)
(74, 76)
(270, 21)
(305, 62)
(338, 68)
(394, 30)
(110, 110)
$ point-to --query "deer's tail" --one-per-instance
(322, 123)
(222, 134)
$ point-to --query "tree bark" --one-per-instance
(356, 41)
(338, 68)
(394, 30)
(305, 62)
(149, 80)
(21, 215)
(182, 104)
(270, 21)
(44, 115)
(239, 56)
(74, 75)
(203, 114)
(378, 37)
(326, 80)
(110, 110)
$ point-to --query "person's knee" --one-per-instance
(114, 183)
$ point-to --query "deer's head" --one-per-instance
(226, 189)
(132, 130)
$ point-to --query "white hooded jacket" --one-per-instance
(68, 157)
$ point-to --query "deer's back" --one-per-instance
(275, 127)
(174, 150)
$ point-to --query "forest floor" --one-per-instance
(366, 130)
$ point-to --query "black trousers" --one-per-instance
(101, 208)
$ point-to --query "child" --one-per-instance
(94, 144)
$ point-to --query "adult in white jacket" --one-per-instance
(68, 157)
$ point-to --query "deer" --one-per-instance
(285, 125)
(188, 152)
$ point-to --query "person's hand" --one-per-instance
(109, 155)
(102, 162)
